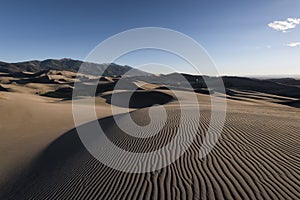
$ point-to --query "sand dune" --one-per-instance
(42, 157)
(257, 157)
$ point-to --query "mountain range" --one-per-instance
(66, 64)
(38, 71)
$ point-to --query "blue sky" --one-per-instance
(242, 37)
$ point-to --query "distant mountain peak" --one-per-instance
(68, 64)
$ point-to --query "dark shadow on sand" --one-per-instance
(66, 160)
(138, 99)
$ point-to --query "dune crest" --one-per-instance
(256, 157)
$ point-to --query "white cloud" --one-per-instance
(283, 26)
(294, 44)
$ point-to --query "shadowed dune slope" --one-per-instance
(257, 157)
(295, 103)
(138, 98)
(3, 89)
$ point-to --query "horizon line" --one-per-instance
(221, 74)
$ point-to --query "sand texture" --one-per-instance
(257, 155)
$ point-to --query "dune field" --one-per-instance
(257, 155)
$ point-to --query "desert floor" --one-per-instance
(257, 155)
